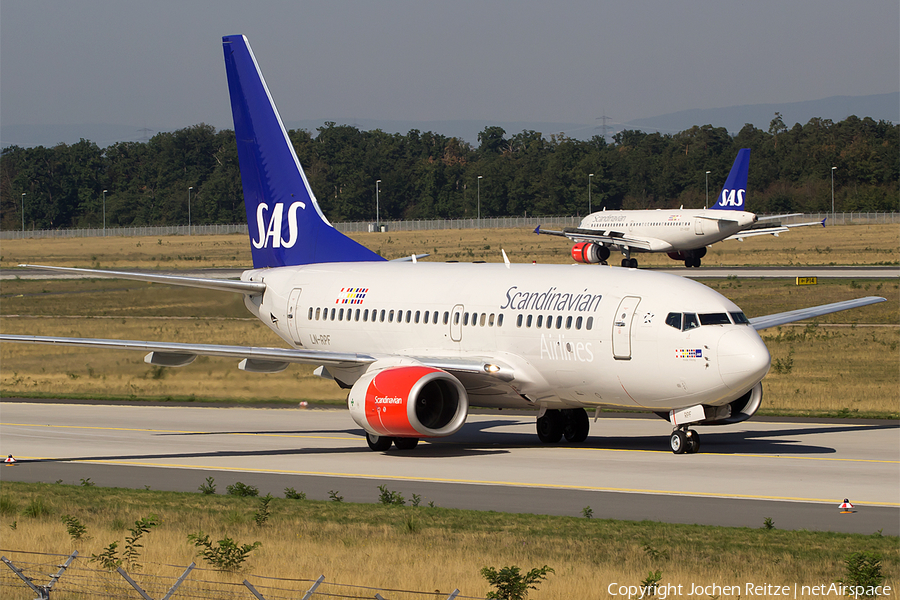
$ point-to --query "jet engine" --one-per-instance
(734, 412)
(589, 252)
(409, 401)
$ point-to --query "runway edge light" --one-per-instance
(9, 460)
(845, 507)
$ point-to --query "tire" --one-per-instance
(550, 427)
(406, 443)
(378, 443)
(678, 442)
(693, 442)
(577, 426)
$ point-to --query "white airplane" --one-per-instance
(683, 234)
(418, 343)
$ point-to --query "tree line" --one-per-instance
(193, 174)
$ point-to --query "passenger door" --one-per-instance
(621, 334)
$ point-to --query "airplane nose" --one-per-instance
(743, 358)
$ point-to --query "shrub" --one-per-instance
(292, 494)
(74, 527)
(242, 489)
(226, 554)
(511, 584)
(36, 509)
(208, 488)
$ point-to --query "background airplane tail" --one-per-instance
(733, 194)
(287, 226)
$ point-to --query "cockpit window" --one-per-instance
(740, 318)
(714, 319)
(674, 320)
(690, 322)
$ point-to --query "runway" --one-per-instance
(793, 472)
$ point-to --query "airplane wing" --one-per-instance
(767, 321)
(770, 230)
(222, 285)
(609, 237)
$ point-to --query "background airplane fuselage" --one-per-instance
(671, 230)
(607, 343)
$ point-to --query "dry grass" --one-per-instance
(845, 245)
(426, 549)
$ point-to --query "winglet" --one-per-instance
(732, 196)
(537, 229)
(286, 225)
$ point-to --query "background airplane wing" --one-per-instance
(222, 285)
(808, 313)
(601, 237)
(774, 230)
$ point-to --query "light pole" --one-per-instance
(189, 209)
(23, 214)
(377, 207)
(832, 194)
(707, 190)
(479, 202)
(590, 179)
(104, 213)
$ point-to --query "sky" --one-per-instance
(159, 65)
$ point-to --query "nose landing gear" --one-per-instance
(684, 441)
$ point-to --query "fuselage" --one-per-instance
(573, 336)
(671, 230)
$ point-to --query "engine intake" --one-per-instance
(409, 401)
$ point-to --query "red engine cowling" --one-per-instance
(589, 252)
(409, 401)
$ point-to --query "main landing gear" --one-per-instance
(572, 423)
(381, 443)
(628, 262)
(684, 441)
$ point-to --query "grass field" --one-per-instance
(413, 548)
(845, 245)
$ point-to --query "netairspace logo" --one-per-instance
(270, 229)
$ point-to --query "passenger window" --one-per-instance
(491, 320)
(357, 314)
(332, 313)
(446, 317)
(559, 322)
(455, 318)
(408, 315)
(366, 315)
(690, 322)
(391, 317)
(519, 321)
(540, 321)
(568, 322)
(674, 320)
(500, 320)
(549, 321)
(578, 322)
(318, 313)
(382, 315)
(465, 318)
(309, 318)
(590, 323)
(341, 315)
(483, 316)
(417, 316)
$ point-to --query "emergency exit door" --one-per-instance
(621, 333)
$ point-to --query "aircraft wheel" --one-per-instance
(678, 442)
(577, 425)
(378, 443)
(550, 427)
(693, 442)
(626, 262)
(406, 443)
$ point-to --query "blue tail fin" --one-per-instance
(287, 226)
(734, 191)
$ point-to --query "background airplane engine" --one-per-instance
(413, 401)
(682, 255)
(589, 252)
